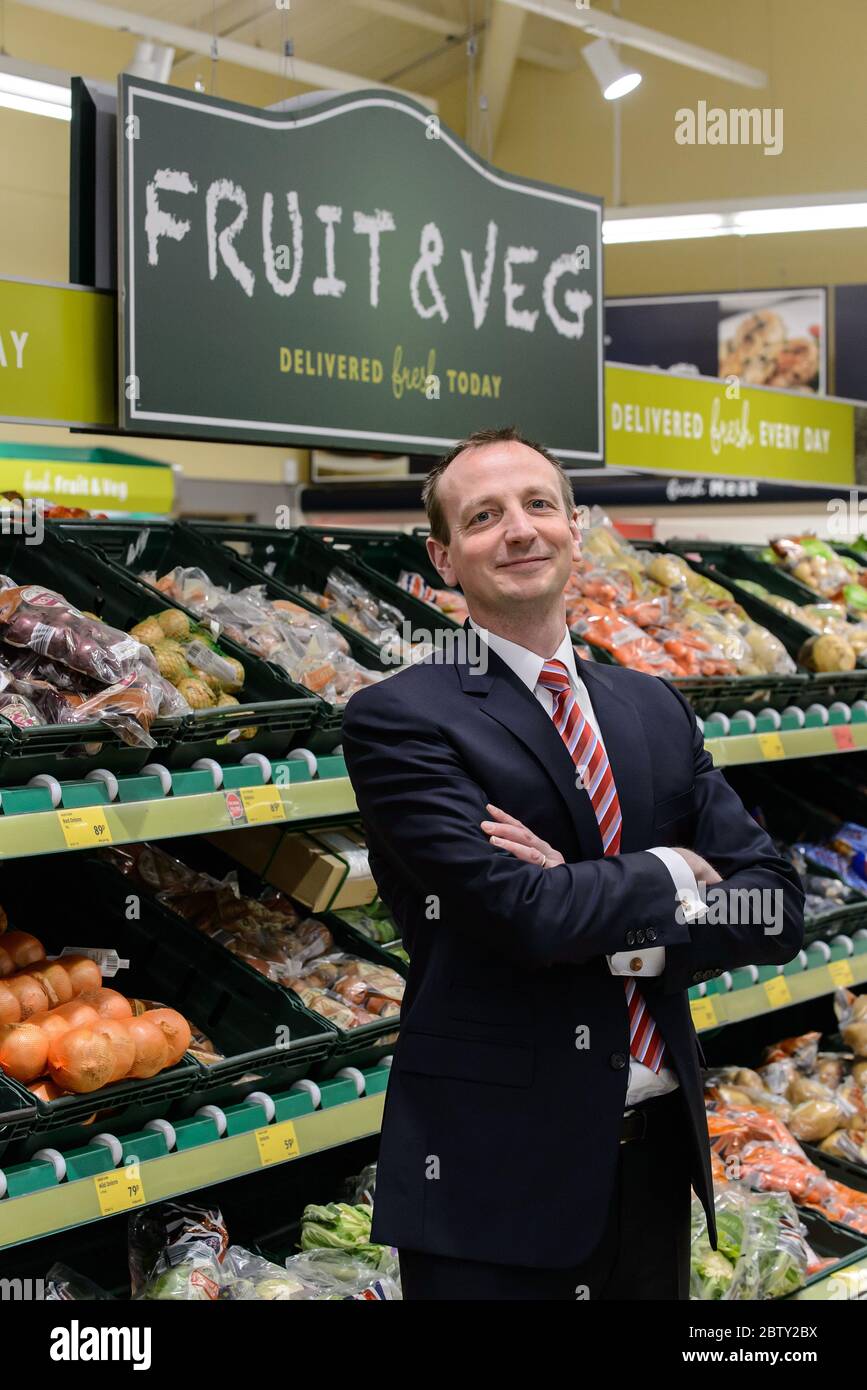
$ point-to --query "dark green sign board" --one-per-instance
(348, 274)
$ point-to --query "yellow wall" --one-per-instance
(558, 128)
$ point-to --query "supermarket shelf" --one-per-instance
(847, 1283)
(43, 832)
(737, 749)
(714, 1010)
(105, 1190)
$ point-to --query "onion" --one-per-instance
(23, 1051)
(175, 1028)
(81, 1060)
(84, 973)
(123, 1045)
(10, 1009)
(108, 1003)
(53, 979)
(151, 1047)
(23, 948)
(29, 993)
(7, 964)
(45, 1090)
(55, 1022)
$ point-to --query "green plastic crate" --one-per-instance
(283, 714)
(726, 563)
(359, 1047)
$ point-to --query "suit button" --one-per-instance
(636, 963)
(630, 938)
(618, 1060)
(650, 934)
(639, 937)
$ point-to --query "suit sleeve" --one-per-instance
(756, 915)
(423, 810)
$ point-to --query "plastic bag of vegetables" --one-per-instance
(762, 1250)
(175, 1251)
(341, 1274)
(251, 1278)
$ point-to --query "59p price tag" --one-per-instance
(277, 1142)
(118, 1192)
(84, 828)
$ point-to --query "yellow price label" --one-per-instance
(703, 1013)
(263, 804)
(277, 1143)
(84, 828)
(777, 991)
(841, 973)
(772, 746)
(118, 1192)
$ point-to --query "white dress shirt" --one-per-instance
(643, 1082)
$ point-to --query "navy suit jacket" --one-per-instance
(502, 1122)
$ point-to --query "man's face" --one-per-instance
(511, 542)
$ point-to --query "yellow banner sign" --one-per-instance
(57, 355)
(666, 423)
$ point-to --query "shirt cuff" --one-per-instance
(650, 961)
(692, 905)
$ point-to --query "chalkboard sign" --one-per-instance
(347, 273)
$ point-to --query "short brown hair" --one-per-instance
(508, 434)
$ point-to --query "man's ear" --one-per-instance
(575, 528)
(439, 558)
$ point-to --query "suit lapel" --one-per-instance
(504, 697)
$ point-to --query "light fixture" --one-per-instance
(152, 60)
(756, 217)
(37, 90)
(614, 78)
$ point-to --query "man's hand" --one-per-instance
(704, 872)
(506, 832)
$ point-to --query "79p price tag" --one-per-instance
(118, 1192)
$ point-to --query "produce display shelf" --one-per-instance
(838, 1285)
(147, 1172)
(86, 817)
(737, 749)
(760, 990)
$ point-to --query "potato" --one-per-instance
(802, 1088)
(855, 1036)
(815, 1120)
(827, 652)
(745, 1077)
(733, 1095)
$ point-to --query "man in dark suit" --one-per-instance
(540, 829)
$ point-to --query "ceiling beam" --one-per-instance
(623, 31)
(455, 28)
(499, 55)
(228, 51)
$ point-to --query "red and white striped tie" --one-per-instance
(645, 1040)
